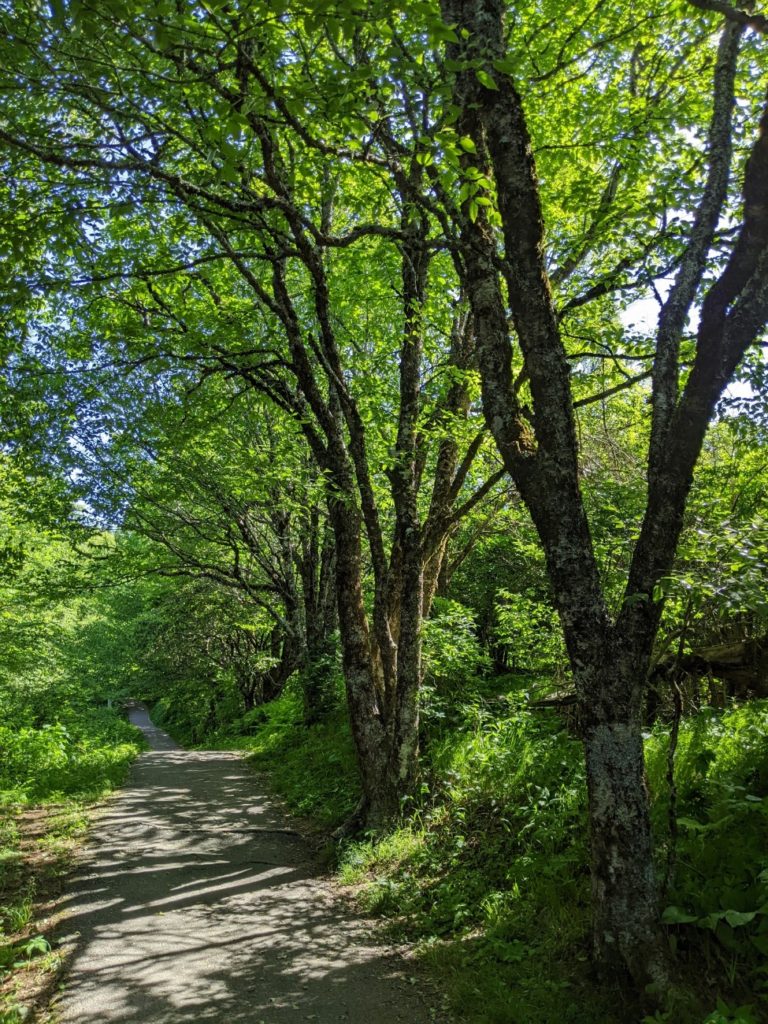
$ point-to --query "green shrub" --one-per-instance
(530, 631)
(452, 650)
(84, 758)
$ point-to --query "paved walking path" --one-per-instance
(197, 902)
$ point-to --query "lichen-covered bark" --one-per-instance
(624, 895)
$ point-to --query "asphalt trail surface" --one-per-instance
(196, 901)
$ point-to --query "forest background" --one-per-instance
(357, 361)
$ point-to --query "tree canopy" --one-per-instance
(329, 312)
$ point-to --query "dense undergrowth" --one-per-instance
(79, 753)
(487, 872)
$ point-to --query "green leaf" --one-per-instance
(675, 915)
(506, 66)
(737, 918)
(712, 920)
(692, 825)
(439, 32)
(485, 80)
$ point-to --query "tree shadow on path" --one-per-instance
(196, 902)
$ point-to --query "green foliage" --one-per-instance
(717, 905)
(454, 662)
(196, 709)
(530, 632)
(451, 647)
(84, 759)
(57, 735)
(321, 682)
(489, 874)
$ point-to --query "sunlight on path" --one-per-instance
(197, 903)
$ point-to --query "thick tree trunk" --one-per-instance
(404, 714)
(626, 930)
(379, 773)
(541, 454)
(625, 911)
(383, 714)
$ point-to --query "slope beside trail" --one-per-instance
(197, 902)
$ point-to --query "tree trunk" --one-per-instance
(626, 931)
(404, 715)
(541, 454)
(364, 688)
(317, 568)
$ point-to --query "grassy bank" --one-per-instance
(487, 874)
(49, 776)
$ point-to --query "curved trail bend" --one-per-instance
(196, 902)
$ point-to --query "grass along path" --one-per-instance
(37, 845)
